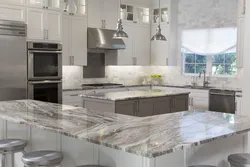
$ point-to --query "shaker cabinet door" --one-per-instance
(79, 40)
(128, 107)
(94, 14)
(53, 23)
(162, 105)
(110, 14)
(35, 24)
(145, 107)
(11, 12)
(66, 40)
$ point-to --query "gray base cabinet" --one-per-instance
(140, 107)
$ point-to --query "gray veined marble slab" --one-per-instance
(136, 94)
(149, 137)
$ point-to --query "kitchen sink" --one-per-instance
(198, 87)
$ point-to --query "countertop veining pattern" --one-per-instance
(149, 137)
(136, 94)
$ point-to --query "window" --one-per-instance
(224, 64)
(211, 49)
(194, 63)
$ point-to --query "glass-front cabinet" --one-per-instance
(164, 15)
(74, 7)
(134, 13)
(46, 4)
(37, 3)
(54, 4)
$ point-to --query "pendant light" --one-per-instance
(119, 34)
(158, 36)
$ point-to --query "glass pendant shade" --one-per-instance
(158, 36)
(120, 34)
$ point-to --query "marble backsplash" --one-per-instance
(134, 75)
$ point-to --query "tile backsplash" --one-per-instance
(132, 75)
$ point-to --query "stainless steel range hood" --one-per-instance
(103, 39)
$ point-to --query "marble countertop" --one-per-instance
(149, 136)
(135, 94)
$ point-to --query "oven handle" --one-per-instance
(222, 94)
(41, 51)
(44, 82)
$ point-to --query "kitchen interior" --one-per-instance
(89, 72)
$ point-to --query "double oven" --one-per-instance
(45, 72)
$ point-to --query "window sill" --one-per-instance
(213, 76)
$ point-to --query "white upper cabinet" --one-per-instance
(14, 2)
(126, 56)
(53, 23)
(35, 24)
(103, 14)
(135, 14)
(66, 39)
(79, 40)
(137, 50)
(110, 14)
(159, 49)
(45, 4)
(241, 8)
(74, 40)
(94, 14)
(75, 7)
(44, 25)
(11, 12)
(142, 45)
(53, 4)
(240, 42)
(36, 3)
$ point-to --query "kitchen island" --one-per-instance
(114, 140)
(140, 103)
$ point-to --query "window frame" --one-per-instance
(209, 66)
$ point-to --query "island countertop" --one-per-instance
(149, 136)
(136, 94)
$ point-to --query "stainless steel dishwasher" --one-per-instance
(222, 101)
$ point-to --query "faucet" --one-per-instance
(205, 83)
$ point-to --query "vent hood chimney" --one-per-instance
(103, 39)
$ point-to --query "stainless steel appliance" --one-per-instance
(44, 61)
(13, 60)
(49, 91)
(222, 101)
(103, 39)
(45, 72)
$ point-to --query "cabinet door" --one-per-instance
(238, 105)
(13, 2)
(162, 105)
(35, 24)
(142, 45)
(94, 14)
(10, 12)
(53, 4)
(128, 107)
(36, 3)
(79, 40)
(145, 108)
(78, 7)
(199, 103)
(125, 57)
(53, 24)
(180, 103)
(159, 49)
(66, 39)
(240, 43)
(110, 14)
